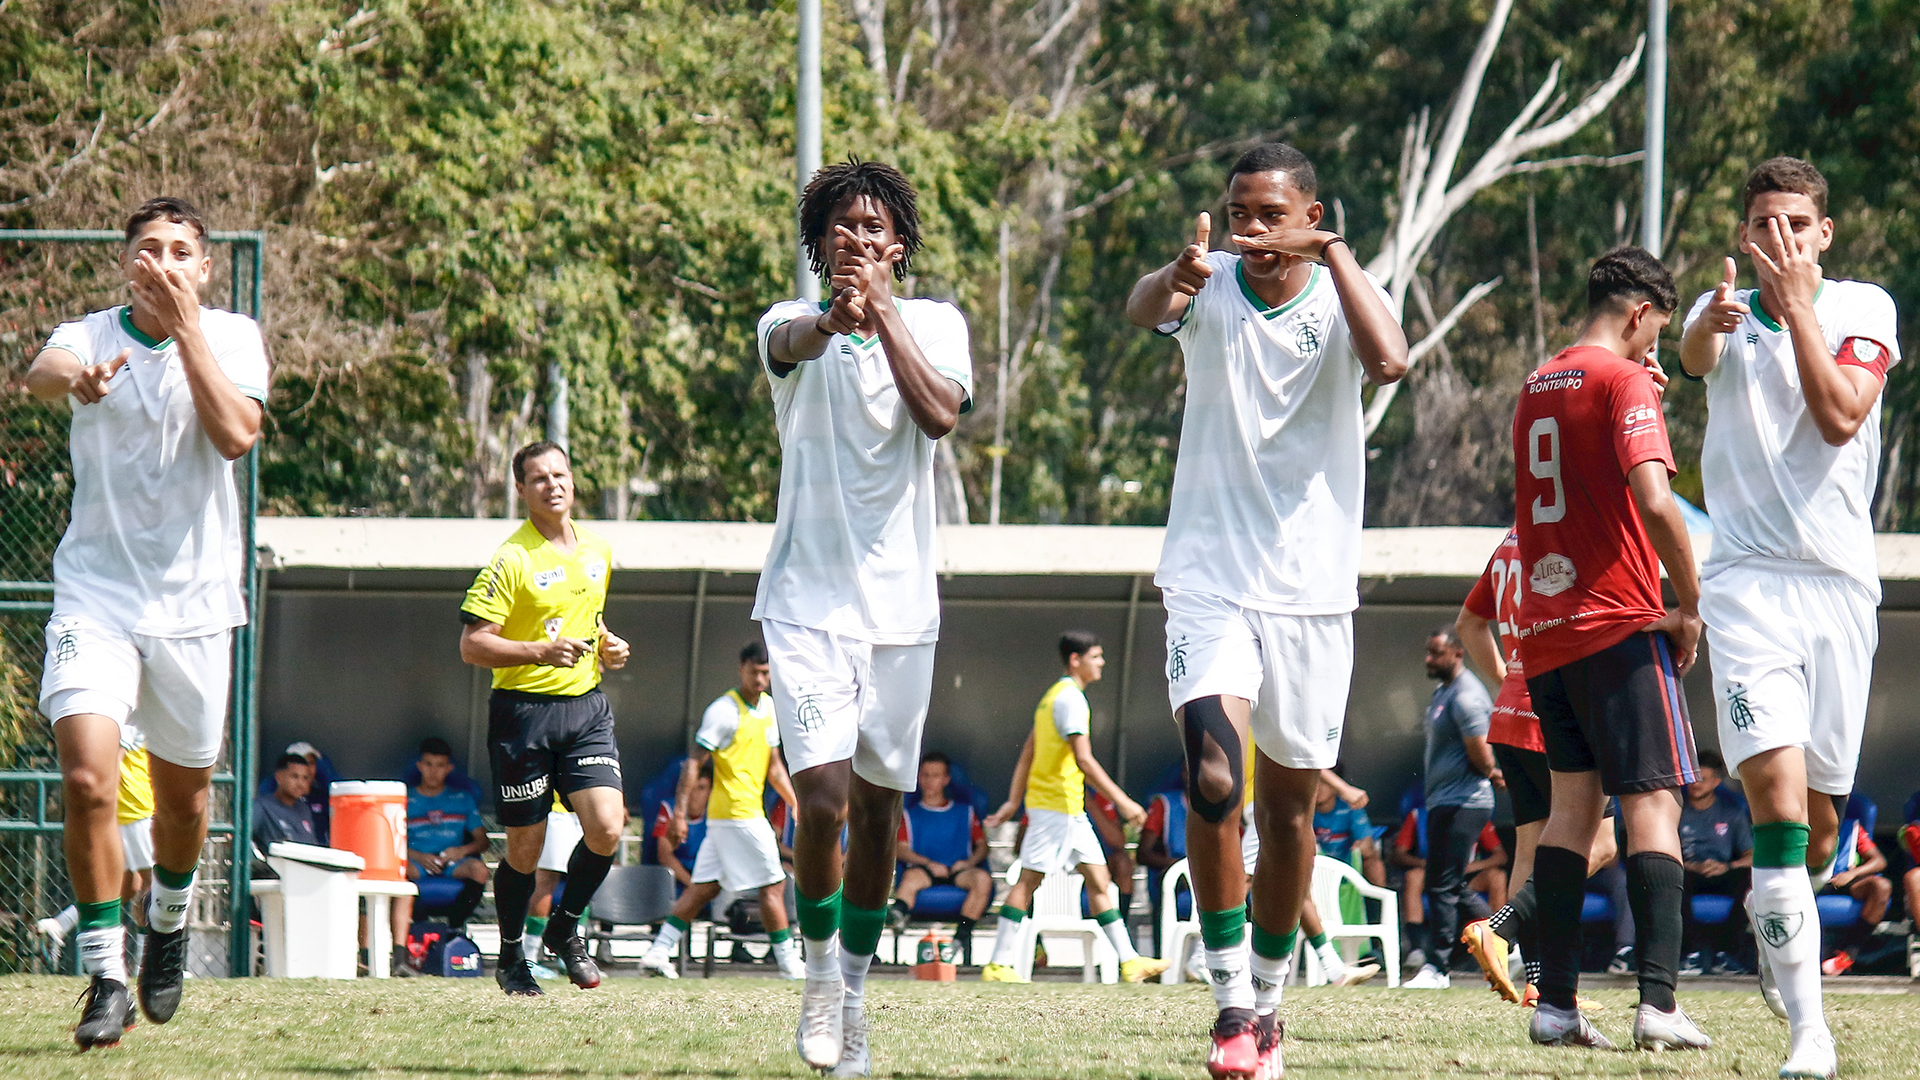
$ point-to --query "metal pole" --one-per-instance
(246, 700)
(806, 150)
(1126, 687)
(999, 448)
(1654, 166)
(557, 417)
(693, 656)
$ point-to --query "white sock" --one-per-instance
(1824, 874)
(823, 958)
(1006, 941)
(1784, 912)
(666, 941)
(1118, 937)
(68, 918)
(1227, 974)
(167, 910)
(103, 952)
(783, 951)
(1269, 981)
(1330, 961)
(853, 971)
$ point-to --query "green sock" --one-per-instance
(777, 936)
(860, 928)
(1317, 940)
(1011, 913)
(677, 923)
(102, 915)
(536, 925)
(174, 880)
(1108, 917)
(819, 919)
(1223, 929)
(1275, 946)
(1780, 844)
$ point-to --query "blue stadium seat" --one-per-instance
(437, 894)
(1596, 908)
(1837, 910)
(939, 902)
(1712, 910)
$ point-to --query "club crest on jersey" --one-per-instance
(546, 578)
(1780, 927)
(807, 716)
(1177, 659)
(1552, 575)
(1306, 340)
(1738, 713)
(66, 647)
(553, 626)
(595, 569)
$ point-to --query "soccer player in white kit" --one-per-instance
(1793, 371)
(166, 394)
(1260, 570)
(862, 386)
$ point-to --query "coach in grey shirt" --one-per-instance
(1460, 775)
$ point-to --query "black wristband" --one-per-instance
(1328, 246)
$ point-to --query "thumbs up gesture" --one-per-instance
(1190, 270)
(1725, 310)
(89, 383)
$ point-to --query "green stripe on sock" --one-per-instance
(1223, 929)
(103, 915)
(1011, 913)
(777, 936)
(860, 928)
(1317, 940)
(174, 880)
(1111, 915)
(1274, 946)
(1780, 845)
(536, 925)
(677, 923)
(819, 919)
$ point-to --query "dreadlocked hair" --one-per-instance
(835, 184)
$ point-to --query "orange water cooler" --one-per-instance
(370, 820)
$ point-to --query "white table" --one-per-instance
(379, 926)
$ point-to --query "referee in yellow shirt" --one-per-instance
(534, 617)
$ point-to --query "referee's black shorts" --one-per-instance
(1621, 711)
(542, 743)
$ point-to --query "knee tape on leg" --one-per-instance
(1203, 719)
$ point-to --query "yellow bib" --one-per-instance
(136, 787)
(1055, 782)
(740, 767)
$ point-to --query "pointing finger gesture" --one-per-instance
(1725, 310)
(1190, 270)
(90, 383)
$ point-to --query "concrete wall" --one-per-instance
(366, 665)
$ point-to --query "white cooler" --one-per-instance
(310, 916)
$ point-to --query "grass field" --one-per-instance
(444, 1028)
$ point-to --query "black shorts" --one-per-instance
(1621, 711)
(541, 743)
(1529, 782)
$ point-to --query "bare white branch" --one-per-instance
(1383, 397)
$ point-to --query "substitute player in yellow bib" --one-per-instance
(738, 735)
(134, 811)
(534, 617)
(1055, 768)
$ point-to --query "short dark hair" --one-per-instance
(1446, 633)
(1629, 274)
(285, 760)
(533, 450)
(1712, 760)
(1789, 174)
(936, 757)
(1077, 643)
(706, 769)
(851, 179)
(435, 745)
(167, 208)
(753, 652)
(1278, 157)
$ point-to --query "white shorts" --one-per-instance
(1249, 840)
(563, 835)
(174, 690)
(1294, 669)
(838, 699)
(1057, 843)
(136, 841)
(1792, 656)
(739, 854)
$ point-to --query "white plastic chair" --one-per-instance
(1328, 875)
(1176, 934)
(1056, 913)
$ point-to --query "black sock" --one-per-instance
(964, 931)
(1125, 903)
(512, 892)
(1655, 882)
(585, 872)
(901, 906)
(1560, 879)
(1515, 921)
(463, 906)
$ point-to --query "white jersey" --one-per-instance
(1775, 489)
(853, 540)
(153, 547)
(1269, 485)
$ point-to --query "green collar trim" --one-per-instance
(126, 323)
(1246, 290)
(862, 342)
(1766, 320)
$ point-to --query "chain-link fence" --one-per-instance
(47, 277)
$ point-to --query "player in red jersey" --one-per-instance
(1603, 656)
